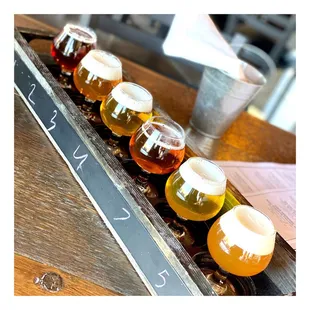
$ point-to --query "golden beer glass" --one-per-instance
(97, 74)
(241, 242)
(196, 191)
(158, 147)
(126, 108)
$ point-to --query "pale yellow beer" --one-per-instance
(97, 74)
(242, 241)
(197, 190)
(126, 108)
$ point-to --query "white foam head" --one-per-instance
(133, 96)
(81, 33)
(103, 64)
(164, 132)
(204, 176)
(249, 229)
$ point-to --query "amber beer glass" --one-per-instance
(71, 45)
(97, 74)
(242, 241)
(158, 146)
(196, 191)
(126, 108)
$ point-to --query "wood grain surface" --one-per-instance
(55, 223)
(27, 270)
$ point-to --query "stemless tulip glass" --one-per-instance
(241, 242)
(124, 110)
(69, 47)
(196, 191)
(158, 147)
(97, 74)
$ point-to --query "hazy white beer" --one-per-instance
(97, 74)
(126, 108)
(158, 146)
(242, 241)
(197, 190)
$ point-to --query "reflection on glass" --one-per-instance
(241, 242)
(97, 74)
(126, 108)
(158, 146)
(197, 190)
(71, 45)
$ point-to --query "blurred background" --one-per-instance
(268, 43)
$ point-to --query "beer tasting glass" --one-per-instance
(70, 46)
(124, 110)
(158, 147)
(97, 74)
(196, 191)
(241, 242)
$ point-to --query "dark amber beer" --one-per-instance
(97, 74)
(242, 241)
(71, 45)
(126, 108)
(158, 146)
(196, 191)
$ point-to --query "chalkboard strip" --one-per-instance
(159, 241)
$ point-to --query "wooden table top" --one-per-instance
(49, 202)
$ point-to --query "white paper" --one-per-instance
(194, 37)
(271, 189)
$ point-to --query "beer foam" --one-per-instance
(204, 176)
(249, 229)
(157, 137)
(133, 97)
(81, 33)
(103, 64)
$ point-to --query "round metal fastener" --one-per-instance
(50, 281)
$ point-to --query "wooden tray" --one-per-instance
(179, 274)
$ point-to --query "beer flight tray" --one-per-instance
(143, 227)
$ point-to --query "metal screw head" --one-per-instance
(50, 281)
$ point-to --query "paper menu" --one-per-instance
(271, 189)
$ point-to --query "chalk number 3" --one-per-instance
(52, 121)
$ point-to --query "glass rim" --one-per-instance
(150, 97)
(98, 51)
(177, 126)
(214, 164)
(264, 215)
(88, 30)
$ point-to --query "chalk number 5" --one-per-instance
(161, 274)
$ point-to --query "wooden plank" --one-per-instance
(176, 255)
(236, 140)
(27, 270)
(55, 223)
